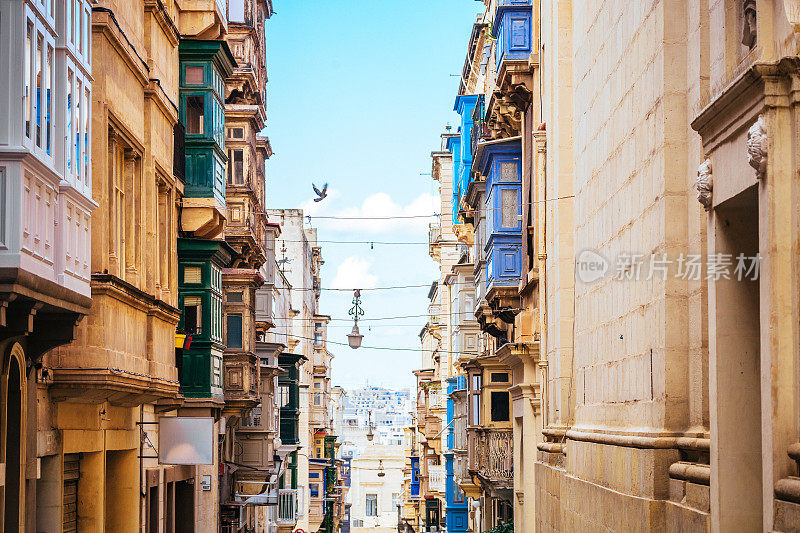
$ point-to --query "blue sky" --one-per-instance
(358, 95)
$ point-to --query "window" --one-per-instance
(39, 81)
(195, 114)
(235, 297)
(499, 377)
(236, 167)
(234, 330)
(475, 399)
(194, 75)
(87, 106)
(314, 489)
(237, 133)
(283, 396)
(27, 95)
(192, 275)
(68, 135)
(87, 28)
(317, 384)
(317, 398)
(509, 209)
(372, 505)
(192, 312)
(76, 147)
(499, 406)
(48, 87)
(68, 24)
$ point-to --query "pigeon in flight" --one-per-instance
(321, 194)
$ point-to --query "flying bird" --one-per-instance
(322, 194)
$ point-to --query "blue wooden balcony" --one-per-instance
(501, 163)
(513, 30)
(461, 148)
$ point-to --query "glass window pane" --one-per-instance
(39, 82)
(48, 86)
(194, 75)
(500, 410)
(77, 134)
(194, 114)
(27, 95)
(192, 313)
(238, 167)
(509, 208)
(87, 28)
(68, 135)
(87, 102)
(234, 339)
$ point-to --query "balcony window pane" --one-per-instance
(68, 23)
(235, 297)
(499, 377)
(87, 102)
(283, 396)
(79, 26)
(27, 96)
(86, 32)
(78, 120)
(508, 199)
(476, 409)
(194, 75)
(234, 330)
(195, 114)
(500, 410)
(238, 167)
(68, 136)
(317, 398)
(48, 86)
(192, 313)
(39, 83)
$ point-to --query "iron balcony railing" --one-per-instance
(287, 506)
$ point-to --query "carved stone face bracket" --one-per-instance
(705, 184)
(757, 146)
(749, 23)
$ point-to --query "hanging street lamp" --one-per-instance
(381, 473)
(354, 338)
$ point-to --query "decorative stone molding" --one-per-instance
(704, 184)
(792, 10)
(757, 146)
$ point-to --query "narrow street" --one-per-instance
(431, 266)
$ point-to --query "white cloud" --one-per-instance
(354, 273)
(375, 213)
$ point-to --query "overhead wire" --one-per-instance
(398, 217)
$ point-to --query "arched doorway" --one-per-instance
(13, 439)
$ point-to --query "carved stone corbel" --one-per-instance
(704, 184)
(757, 146)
